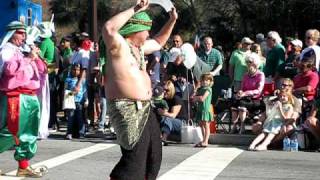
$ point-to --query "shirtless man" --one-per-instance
(128, 90)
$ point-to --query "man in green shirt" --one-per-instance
(211, 56)
(275, 57)
(237, 63)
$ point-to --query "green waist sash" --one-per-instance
(128, 118)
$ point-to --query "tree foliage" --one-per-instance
(226, 21)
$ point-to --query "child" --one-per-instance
(279, 111)
(203, 112)
(158, 101)
(75, 116)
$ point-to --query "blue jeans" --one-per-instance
(103, 105)
(75, 119)
(170, 125)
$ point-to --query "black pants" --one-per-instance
(144, 160)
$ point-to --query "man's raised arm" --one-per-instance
(165, 32)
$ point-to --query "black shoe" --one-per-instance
(164, 143)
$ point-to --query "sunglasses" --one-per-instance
(286, 85)
(308, 37)
(20, 32)
(249, 62)
(166, 90)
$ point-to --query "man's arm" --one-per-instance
(216, 70)
(113, 25)
(161, 38)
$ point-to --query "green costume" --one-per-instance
(47, 50)
(27, 129)
(128, 120)
(203, 108)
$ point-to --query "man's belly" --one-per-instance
(135, 88)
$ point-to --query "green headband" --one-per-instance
(138, 22)
(15, 25)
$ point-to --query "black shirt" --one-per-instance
(176, 100)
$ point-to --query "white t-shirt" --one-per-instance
(81, 57)
(316, 50)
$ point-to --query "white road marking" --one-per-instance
(205, 165)
(51, 163)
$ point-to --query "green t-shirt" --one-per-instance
(275, 57)
(67, 53)
(214, 58)
(47, 50)
(238, 61)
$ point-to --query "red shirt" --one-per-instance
(311, 79)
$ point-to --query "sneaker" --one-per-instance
(52, 130)
(69, 136)
(82, 136)
(30, 172)
(112, 130)
(101, 130)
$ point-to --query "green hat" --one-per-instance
(11, 29)
(15, 25)
(138, 22)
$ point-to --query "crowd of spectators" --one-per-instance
(256, 69)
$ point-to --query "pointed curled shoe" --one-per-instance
(32, 172)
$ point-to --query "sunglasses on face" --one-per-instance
(249, 62)
(285, 85)
(308, 37)
(20, 32)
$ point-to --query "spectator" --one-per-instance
(275, 56)
(257, 49)
(211, 56)
(311, 40)
(203, 113)
(177, 41)
(287, 129)
(306, 82)
(171, 121)
(278, 114)
(288, 69)
(153, 67)
(263, 44)
(248, 99)
(237, 64)
(74, 116)
(312, 123)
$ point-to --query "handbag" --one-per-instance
(68, 100)
(190, 133)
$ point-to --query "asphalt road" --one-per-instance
(93, 159)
